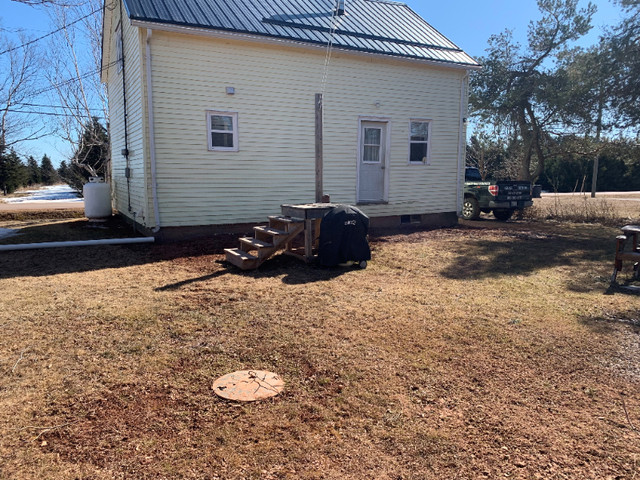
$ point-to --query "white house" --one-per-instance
(213, 110)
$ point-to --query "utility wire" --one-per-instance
(49, 34)
(49, 106)
(52, 114)
(74, 79)
(327, 58)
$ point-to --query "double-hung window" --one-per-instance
(222, 129)
(420, 141)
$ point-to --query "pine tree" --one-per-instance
(63, 170)
(13, 173)
(33, 171)
(47, 172)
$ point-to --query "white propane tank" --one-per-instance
(97, 198)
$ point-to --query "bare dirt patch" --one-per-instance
(484, 351)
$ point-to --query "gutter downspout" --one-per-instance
(462, 143)
(152, 138)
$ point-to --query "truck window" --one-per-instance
(472, 175)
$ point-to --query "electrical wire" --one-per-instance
(31, 42)
(48, 106)
(52, 114)
(327, 57)
(74, 79)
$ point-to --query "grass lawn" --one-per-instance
(484, 351)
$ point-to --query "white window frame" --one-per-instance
(429, 123)
(380, 152)
(233, 131)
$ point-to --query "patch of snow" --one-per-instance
(55, 193)
(7, 232)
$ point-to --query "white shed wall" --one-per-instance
(136, 123)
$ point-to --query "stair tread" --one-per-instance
(270, 230)
(240, 253)
(255, 242)
(281, 218)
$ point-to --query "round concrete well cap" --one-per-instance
(248, 385)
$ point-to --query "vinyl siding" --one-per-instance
(136, 124)
(274, 99)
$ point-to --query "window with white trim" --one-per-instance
(222, 129)
(420, 141)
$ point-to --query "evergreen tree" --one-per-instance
(13, 173)
(63, 170)
(33, 171)
(522, 90)
(624, 54)
(48, 173)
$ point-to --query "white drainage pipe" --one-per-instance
(76, 243)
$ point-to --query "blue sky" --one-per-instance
(468, 23)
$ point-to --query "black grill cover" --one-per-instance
(343, 236)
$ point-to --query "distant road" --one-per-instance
(627, 196)
(41, 205)
(56, 197)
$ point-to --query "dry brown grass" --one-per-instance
(484, 351)
(613, 209)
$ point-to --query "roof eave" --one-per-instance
(276, 40)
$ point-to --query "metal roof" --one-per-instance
(374, 26)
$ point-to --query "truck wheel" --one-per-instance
(470, 209)
(503, 215)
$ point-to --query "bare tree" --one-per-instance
(19, 74)
(82, 96)
(35, 3)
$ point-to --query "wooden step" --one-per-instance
(241, 259)
(288, 224)
(270, 234)
(270, 231)
(254, 243)
(284, 220)
(268, 240)
(262, 248)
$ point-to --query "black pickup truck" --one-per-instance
(503, 197)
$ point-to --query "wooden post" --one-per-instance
(594, 178)
(318, 147)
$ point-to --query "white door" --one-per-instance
(372, 161)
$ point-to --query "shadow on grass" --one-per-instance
(54, 261)
(38, 231)
(606, 321)
(292, 271)
(522, 253)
